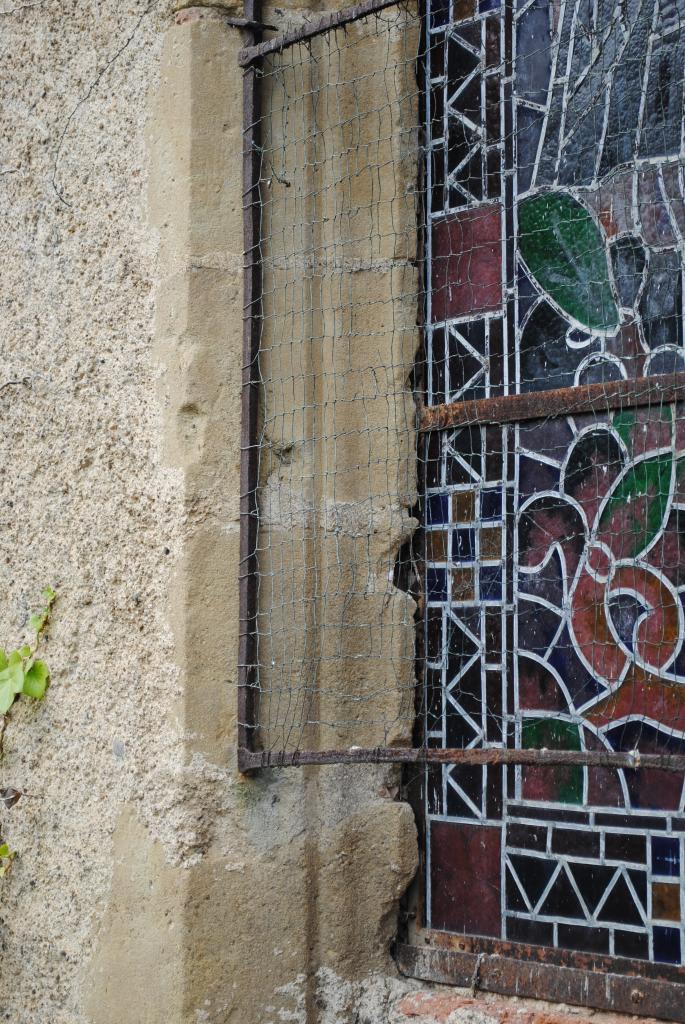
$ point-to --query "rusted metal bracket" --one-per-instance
(251, 26)
(252, 759)
(533, 405)
(313, 28)
(595, 985)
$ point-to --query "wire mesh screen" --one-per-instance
(337, 478)
(470, 456)
(471, 226)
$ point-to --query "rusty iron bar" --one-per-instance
(313, 28)
(254, 759)
(533, 405)
(507, 975)
(461, 943)
(247, 653)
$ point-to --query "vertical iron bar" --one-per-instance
(249, 468)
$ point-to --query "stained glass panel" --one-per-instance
(555, 548)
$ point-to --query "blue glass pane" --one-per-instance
(491, 583)
(665, 856)
(436, 584)
(437, 509)
(666, 945)
(463, 545)
(491, 504)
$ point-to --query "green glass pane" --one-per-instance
(564, 250)
(554, 734)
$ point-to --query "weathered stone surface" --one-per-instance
(458, 1007)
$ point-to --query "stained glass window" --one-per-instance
(555, 546)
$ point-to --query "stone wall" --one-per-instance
(153, 882)
(337, 435)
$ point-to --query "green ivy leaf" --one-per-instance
(48, 595)
(25, 651)
(7, 856)
(7, 691)
(36, 680)
(3, 660)
(12, 680)
(17, 676)
(564, 250)
(36, 623)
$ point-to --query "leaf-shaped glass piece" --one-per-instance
(564, 250)
(638, 505)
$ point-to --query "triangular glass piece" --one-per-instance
(639, 880)
(515, 900)
(592, 880)
(463, 366)
(473, 332)
(471, 175)
(460, 64)
(466, 691)
(562, 900)
(461, 141)
(620, 905)
(469, 33)
(534, 873)
(459, 731)
(470, 780)
(466, 443)
(467, 101)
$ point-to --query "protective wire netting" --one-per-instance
(340, 153)
(468, 207)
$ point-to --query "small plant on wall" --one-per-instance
(22, 674)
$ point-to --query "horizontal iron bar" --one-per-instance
(250, 759)
(535, 405)
(316, 27)
(506, 975)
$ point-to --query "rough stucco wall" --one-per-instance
(88, 504)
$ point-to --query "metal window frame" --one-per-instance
(252, 286)
(489, 965)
